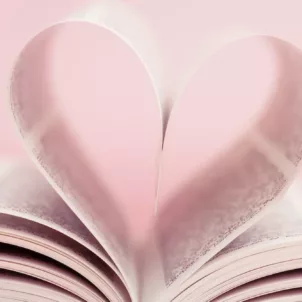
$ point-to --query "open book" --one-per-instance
(227, 226)
(47, 254)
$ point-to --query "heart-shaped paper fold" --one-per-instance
(97, 135)
(233, 143)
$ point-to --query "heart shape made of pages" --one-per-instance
(91, 119)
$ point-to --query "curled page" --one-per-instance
(97, 147)
(223, 195)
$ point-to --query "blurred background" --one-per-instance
(186, 31)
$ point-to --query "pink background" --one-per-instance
(185, 29)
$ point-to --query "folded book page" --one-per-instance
(25, 193)
(112, 160)
(46, 241)
(292, 295)
(272, 245)
(23, 261)
(213, 208)
(264, 286)
(283, 222)
(17, 287)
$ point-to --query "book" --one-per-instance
(185, 225)
(46, 251)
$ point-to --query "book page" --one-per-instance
(272, 245)
(25, 193)
(88, 197)
(264, 286)
(98, 148)
(29, 263)
(292, 295)
(214, 208)
(282, 222)
(55, 245)
(17, 287)
(28, 204)
(62, 163)
(219, 203)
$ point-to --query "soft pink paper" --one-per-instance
(108, 104)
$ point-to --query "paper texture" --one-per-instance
(210, 208)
